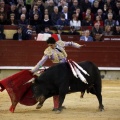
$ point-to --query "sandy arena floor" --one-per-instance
(77, 108)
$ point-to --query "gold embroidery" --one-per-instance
(56, 55)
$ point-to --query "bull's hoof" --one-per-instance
(58, 111)
(101, 108)
(54, 109)
(39, 106)
(82, 94)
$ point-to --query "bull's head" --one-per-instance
(39, 92)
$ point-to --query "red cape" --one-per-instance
(18, 91)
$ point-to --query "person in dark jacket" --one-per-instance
(62, 21)
(116, 30)
(20, 35)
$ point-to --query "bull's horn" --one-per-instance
(31, 80)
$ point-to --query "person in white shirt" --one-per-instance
(75, 22)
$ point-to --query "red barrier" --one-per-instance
(28, 53)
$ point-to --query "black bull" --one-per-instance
(59, 80)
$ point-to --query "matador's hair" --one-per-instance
(51, 40)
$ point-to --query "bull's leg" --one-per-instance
(61, 100)
(41, 100)
(82, 94)
(55, 102)
(99, 97)
(39, 105)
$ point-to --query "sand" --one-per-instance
(77, 108)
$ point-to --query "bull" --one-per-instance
(59, 80)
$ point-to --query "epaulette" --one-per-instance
(48, 51)
(61, 43)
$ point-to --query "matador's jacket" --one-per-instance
(56, 55)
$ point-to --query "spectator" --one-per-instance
(66, 13)
(36, 20)
(99, 21)
(61, 5)
(20, 35)
(78, 13)
(12, 20)
(117, 7)
(35, 10)
(116, 30)
(95, 7)
(88, 13)
(28, 4)
(87, 21)
(2, 11)
(27, 31)
(13, 10)
(118, 19)
(74, 6)
(24, 11)
(73, 31)
(75, 22)
(46, 13)
(19, 6)
(82, 33)
(110, 20)
(86, 36)
(85, 5)
(2, 19)
(47, 30)
(23, 21)
(97, 32)
(105, 8)
(108, 31)
(36, 23)
(50, 7)
(46, 21)
(100, 14)
(5, 6)
(62, 21)
(2, 35)
(109, 3)
(110, 11)
(40, 6)
(101, 4)
(55, 15)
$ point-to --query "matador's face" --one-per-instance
(52, 45)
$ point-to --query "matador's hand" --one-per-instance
(84, 45)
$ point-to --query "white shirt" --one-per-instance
(86, 38)
(75, 23)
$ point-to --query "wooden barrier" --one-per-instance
(28, 53)
(111, 38)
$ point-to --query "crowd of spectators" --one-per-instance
(39, 15)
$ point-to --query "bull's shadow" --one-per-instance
(59, 80)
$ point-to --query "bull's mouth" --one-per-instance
(41, 99)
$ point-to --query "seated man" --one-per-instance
(87, 36)
(97, 32)
(20, 35)
(62, 21)
(47, 30)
